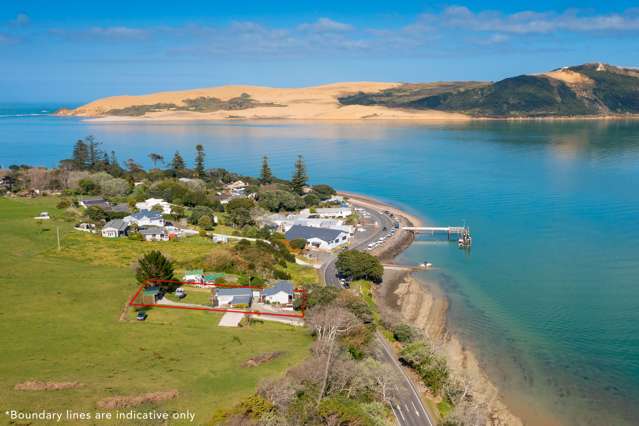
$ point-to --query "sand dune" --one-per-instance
(308, 103)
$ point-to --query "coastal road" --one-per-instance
(408, 407)
(328, 270)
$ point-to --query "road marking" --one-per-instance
(416, 412)
(396, 364)
(396, 416)
(400, 412)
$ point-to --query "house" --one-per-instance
(321, 238)
(233, 296)
(281, 292)
(152, 202)
(193, 276)
(150, 295)
(154, 233)
(121, 208)
(237, 186)
(328, 212)
(95, 202)
(115, 228)
(213, 278)
(145, 218)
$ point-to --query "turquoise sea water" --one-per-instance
(549, 294)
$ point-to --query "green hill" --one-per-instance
(585, 90)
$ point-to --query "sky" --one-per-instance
(76, 51)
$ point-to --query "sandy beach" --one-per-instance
(424, 305)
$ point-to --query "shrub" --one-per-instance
(298, 243)
(63, 204)
(403, 333)
(359, 265)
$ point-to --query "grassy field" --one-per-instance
(59, 322)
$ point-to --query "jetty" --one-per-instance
(461, 234)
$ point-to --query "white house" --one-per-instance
(151, 202)
(281, 292)
(320, 238)
(328, 212)
(154, 233)
(233, 296)
(114, 228)
(145, 218)
(194, 276)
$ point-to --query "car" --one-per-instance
(141, 316)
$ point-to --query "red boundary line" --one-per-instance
(195, 308)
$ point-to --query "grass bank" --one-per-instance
(59, 322)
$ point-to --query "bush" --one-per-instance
(205, 222)
(324, 192)
(298, 243)
(403, 333)
(63, 204)
(359, 265)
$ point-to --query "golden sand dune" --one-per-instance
(569, 77)
(307, 103)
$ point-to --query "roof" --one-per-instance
(122, 207)
(151, 230)
(147, 213)
(94, 202)
(118, 224)
(237, 300)
(307, 232)
(211, 277)
(283, 285)
(234, 291)
(194, 272)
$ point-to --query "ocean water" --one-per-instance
(549, 294)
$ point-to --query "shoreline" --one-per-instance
(423, 303)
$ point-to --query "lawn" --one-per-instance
(59, 322)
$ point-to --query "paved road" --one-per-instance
(361, 240)
(408, 407)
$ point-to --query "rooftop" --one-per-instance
(282, 285)
(307, 232)
(118, 224)
(234, 291)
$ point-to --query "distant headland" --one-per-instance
(585, 91)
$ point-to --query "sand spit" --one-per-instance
(306, 103)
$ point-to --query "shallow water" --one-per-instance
(548, 295)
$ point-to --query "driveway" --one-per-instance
(231, 319)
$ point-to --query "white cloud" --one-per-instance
(326, 25)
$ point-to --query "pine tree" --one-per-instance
(299, 177)
(114, 166)
(266, 176)
(94, 153)
(155, 158)
(80, 155)
(178, 162)
(156, 267)
(199, 161)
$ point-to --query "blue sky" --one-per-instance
(76, 51)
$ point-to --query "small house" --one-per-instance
(95, 202)
(281, 292)
(328, 212)
(194, 276)
(115, 228)
(320, 238)
(154, 233)
(149, 203)
(145, 218)
(234, 297)
(150, 295)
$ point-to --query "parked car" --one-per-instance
(141, 316)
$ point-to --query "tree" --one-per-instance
(324, 192)
(205, 222)
(80, 155)
(299, 176)
(177, 163)
(114, 165)
(155, 267)
(328, 323)
(403, 333)
(96, 214)
(359, 265)
(134, 168)
(155, 158)
(88, 186)
(199, 161)
(266, 176)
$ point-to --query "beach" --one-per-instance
(403, 298)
